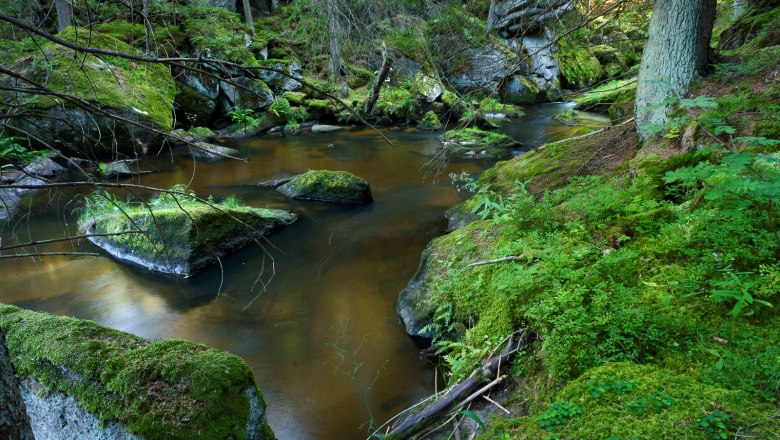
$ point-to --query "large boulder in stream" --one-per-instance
(179, 237)
(328, 186)
(79, 380)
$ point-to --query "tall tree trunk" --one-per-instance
(248, 16)
(491, 17)
(387, 63)
(64, 14)
(333, 32)
(676, 52)
(14, 423)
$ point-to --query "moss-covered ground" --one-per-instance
(649, 278)
(158, 389)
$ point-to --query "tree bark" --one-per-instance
(148, 29)
(387, 62)
(335, 49)
(250, 22)
(14, 424)
(676, 53)
(491, 17)
(64, 14)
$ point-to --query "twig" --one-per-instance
(497, 404)
(74, 237)
(49, 254)
(497, 260)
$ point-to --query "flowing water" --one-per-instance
(337, 272)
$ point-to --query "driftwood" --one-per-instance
(387, 63)
(460, 394)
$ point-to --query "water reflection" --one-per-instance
(337, 271)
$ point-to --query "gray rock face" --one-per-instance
(413, 306)
(519, 89)
(405, 68)
(250, 94)
(280, 82)
(196, 97)
(44, 167)
(230, 5)
(486, 69)
(543, 68)
(56, 416)
(76, 132)
(519, 17)
(328, 186)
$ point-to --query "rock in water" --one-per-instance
(325, 128)
(83, 381)
(182, 241)
(328, 186)
(207, 152)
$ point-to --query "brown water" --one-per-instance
(337, 274)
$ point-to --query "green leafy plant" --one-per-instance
(714, 424)
(558, 414)
(12, 151)
(242, 119)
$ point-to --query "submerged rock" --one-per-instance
(473, 142)
(181, 241)
(207, 152)
(325, 128)
(328, 186)
(83, 381)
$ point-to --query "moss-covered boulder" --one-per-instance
(139, 92)
(430, 122)
(81, 380)
(615, 98)
(625, 400)
(328, 186)
(179, 237)
(521, 90)
(426, 89)
(473, 142)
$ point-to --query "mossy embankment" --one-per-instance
(158, 389)
(646, 276)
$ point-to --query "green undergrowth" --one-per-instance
(670, 260)
(158, 389)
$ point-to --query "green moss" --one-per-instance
(147, 89)
(329, 186)
(396, 103)
(579, 67)
(220, 32)
(612, 95)
(167, 40)
(295, 98)
(626, 401)
(158, 389)
(429, 122)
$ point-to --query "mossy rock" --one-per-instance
(429, 122)
(295, 98)
(522, 90)
(181, 241)
(328, 186)
(474, 142)
(140, 92)
(625, 400)
(155, 389)
(618, 95)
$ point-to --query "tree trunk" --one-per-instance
(387, 63)
(148, 30)
(250, 23)
(14, 424)
(335, 49)
(491, 17)
(64, 14)
(676, 53)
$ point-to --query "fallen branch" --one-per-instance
(458, 395)
(576, 138)
(49, 254)
(497, 260)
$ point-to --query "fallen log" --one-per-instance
(459, 394)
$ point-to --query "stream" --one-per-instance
(336, 273)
